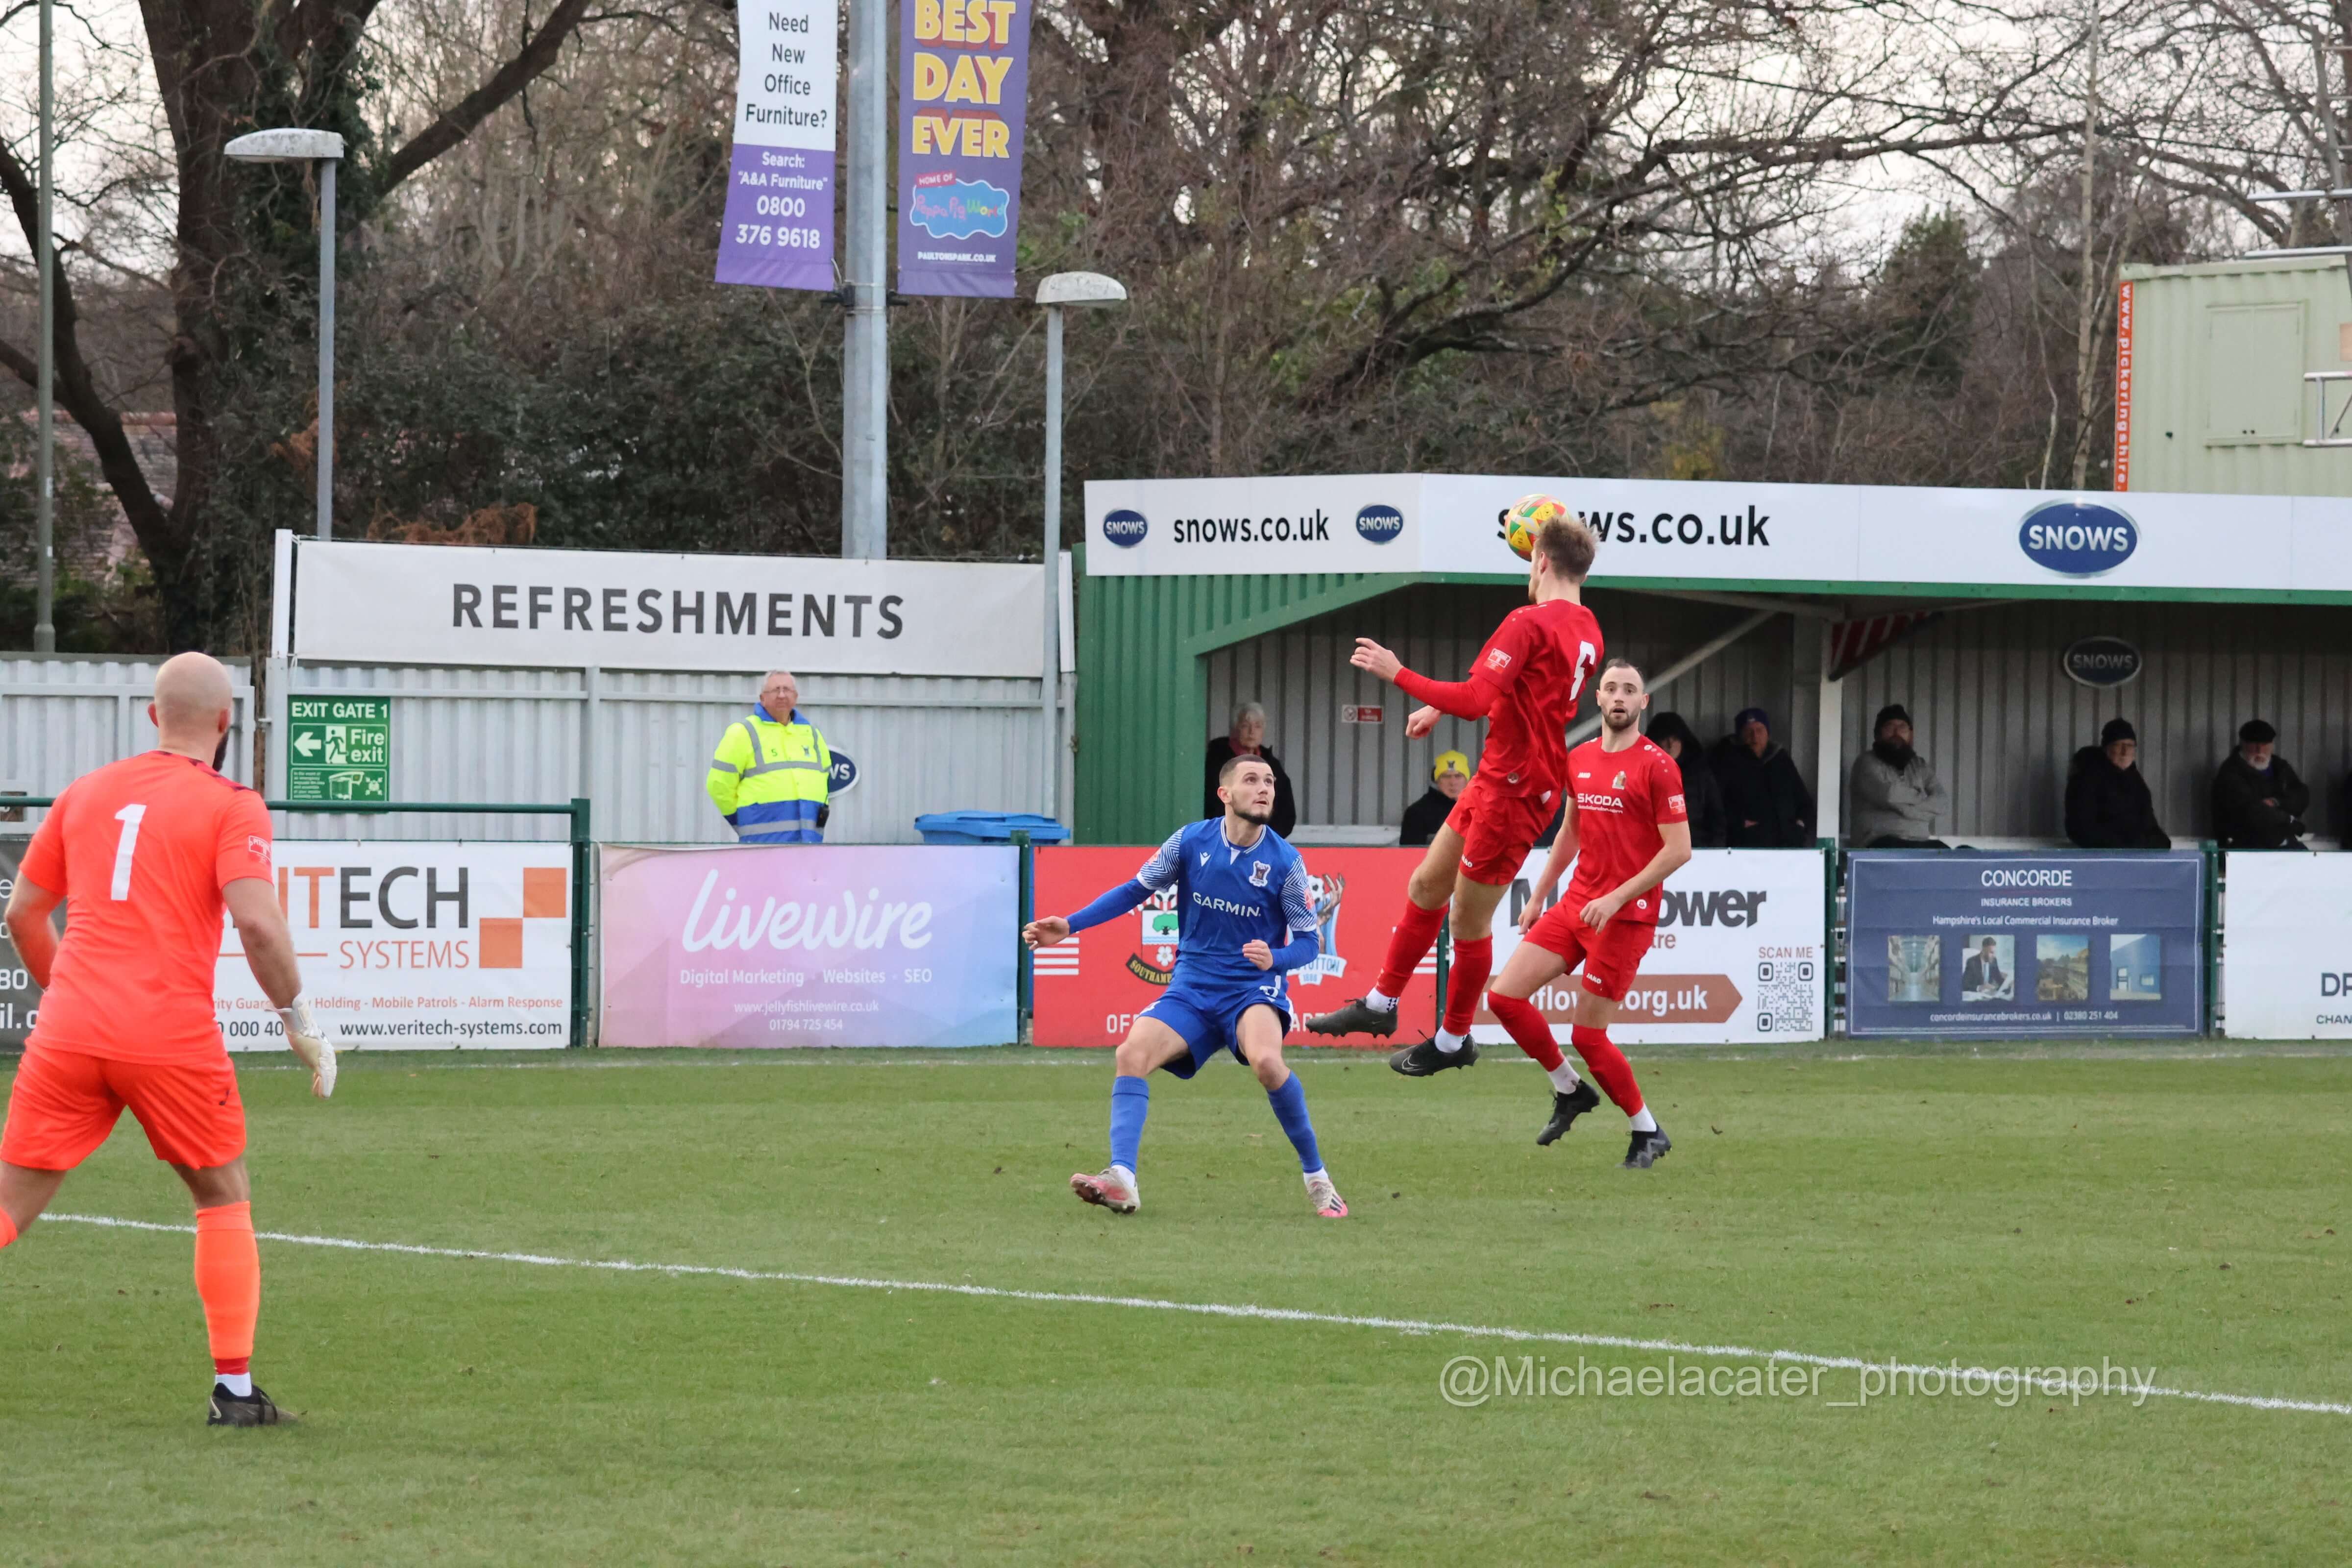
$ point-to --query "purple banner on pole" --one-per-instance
(778, 232)
(963, 91)
(779, 228)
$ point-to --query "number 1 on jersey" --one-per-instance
(124, 846)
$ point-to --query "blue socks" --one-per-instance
(1131, 1101)
(1289, 1104)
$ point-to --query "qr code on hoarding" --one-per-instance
(1787, 990)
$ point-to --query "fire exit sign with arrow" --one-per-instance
(338, 748)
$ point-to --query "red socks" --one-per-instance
(229, 1281)
(1415, 934)
(7, 1229)
(1610, 1069)
(1473, 963)
(1528, 1026)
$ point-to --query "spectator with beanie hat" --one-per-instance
(1897, 795)
(1766, 805)
(2258, 800)
(1449, 776)
(2107, 802)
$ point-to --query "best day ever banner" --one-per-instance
(963, 89)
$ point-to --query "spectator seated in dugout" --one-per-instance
(1449, 776)
(1703, 797)
(2108, 805)
(2258, 799)
(1766, 805)
(1896, 794)
(1247, 739)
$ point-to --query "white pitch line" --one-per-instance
(1203, 1309)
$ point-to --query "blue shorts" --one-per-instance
(1212, 1022)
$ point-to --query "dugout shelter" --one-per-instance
(1817, 603)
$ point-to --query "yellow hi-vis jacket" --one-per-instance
(768, 780)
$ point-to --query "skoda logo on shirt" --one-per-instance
(1125, 527)
(1380, 524)
(2079, 539)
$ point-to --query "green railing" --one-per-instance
(582, 873)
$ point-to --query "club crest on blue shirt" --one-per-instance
(1259, 872)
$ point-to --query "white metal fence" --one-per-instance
(638, 744)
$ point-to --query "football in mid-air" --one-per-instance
(1524, 518)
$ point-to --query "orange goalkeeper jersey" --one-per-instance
(141, 849)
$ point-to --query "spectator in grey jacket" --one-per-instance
(1897, 795)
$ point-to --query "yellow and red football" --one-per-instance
(1525, 517)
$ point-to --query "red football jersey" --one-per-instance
(1526, 683)
(141, 849)
(1622, 797)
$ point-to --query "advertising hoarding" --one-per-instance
(410, 944)
(775, 945)
(1803, 537)
(1738, 956)
(1963, 945)
(1089, 988)
(18, 998)
(405, 944)
(2286, 949)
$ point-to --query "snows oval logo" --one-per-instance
(2102, 661)
(1380, 524)
(1125, 527)
(2078, 538)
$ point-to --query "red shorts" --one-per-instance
(65, 1104)
(1497, 831)
(1611, 956)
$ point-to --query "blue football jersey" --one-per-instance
(1226, 896)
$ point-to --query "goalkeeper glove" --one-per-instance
(311, 1041)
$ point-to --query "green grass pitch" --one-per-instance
(2186, 1211)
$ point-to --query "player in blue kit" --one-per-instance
(1244, 922)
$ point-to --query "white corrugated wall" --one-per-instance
(63, 714)
(638, 744)
(1995, 711)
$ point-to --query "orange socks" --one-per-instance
(228, 1280)
(7, 1229)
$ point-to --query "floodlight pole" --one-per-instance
(44, 628)
(1050, 682)
(1063, 289)
(322, 150)
(326, 167)
(865, 289)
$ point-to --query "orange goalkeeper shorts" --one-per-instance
(65, 1103)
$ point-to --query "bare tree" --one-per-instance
(223, 66)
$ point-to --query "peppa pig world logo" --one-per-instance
(947, 208)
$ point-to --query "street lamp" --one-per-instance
(324, 148)
(1071, 291)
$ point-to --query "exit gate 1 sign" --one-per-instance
(338, 748)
